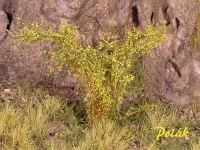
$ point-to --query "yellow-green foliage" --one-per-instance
(27, 128)
(105, 69)
(106, 135)
(195, 36)
(196, 146)
(13, 135)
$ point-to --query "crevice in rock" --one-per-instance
(152, 16)
(10, 19)
(177, 22)
(135, 19)
(9, 9)
(166, 15)
(177, 69)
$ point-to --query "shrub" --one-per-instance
(105, 68)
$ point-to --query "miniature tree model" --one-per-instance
(105, 68)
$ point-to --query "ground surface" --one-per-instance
(32, 119)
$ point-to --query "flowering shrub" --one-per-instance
(105, 68)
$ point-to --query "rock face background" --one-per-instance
(172, 72)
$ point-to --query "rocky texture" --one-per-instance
(3, 25)
(171, 71)
(170, 68)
